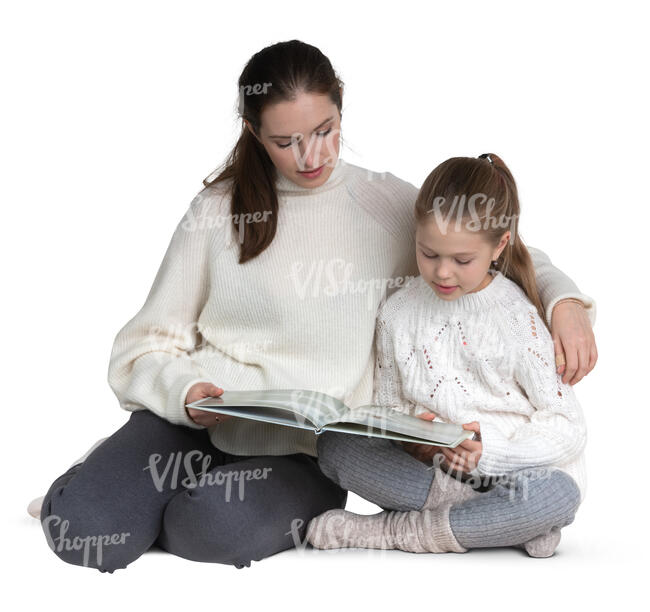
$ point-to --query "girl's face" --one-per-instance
(302, 136)
(454, 262)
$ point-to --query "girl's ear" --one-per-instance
(502, 244)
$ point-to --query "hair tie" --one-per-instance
(486, 156)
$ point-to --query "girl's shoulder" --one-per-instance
(522, 320)
(400, 300)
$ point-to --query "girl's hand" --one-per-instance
(422, 452)
(465, 456)
(573, 337)
(201, 417)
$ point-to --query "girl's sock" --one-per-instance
(543, 545)
(447, 489)
(415, 531)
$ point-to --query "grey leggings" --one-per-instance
(510, 510)
(153, 482)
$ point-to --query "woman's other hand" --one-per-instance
(201, 417)
(575, 344)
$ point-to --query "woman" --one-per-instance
(272, 279)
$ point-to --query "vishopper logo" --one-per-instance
(310, 406)
(255, 89)
(204, 221)
(333, 278)
(96, 542)
(340, 525)
(218, 477)
(517, 482)
(314, 146)
(463, 208)
(166, 340)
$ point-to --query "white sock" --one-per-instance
(34, 506)
(414, 531)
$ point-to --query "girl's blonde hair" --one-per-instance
(449, 189)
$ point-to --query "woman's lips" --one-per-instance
(312, 173)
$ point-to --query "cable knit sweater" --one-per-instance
(300, 315)
(488, 357)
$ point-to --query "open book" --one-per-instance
(321, 412)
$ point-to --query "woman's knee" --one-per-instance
(198, 527)
(83, 534)
(234, 517)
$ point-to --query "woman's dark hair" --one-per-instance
(274, 74)
(493, 182)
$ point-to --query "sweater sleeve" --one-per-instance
(554, 285)
(556, 432)
(150, 366)
(387, 389)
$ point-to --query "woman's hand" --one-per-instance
(573, 337)
(201, 417)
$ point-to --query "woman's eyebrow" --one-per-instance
(322, 123)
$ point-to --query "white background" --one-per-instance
(113, 113)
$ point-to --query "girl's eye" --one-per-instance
(325, 133)
(434, 256)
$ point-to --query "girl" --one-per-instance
(465, 342)
(238, 304)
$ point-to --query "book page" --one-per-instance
(306, 408)
(263, 413)
(389, 422)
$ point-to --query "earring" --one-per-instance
(495, 263)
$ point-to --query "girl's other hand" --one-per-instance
(465, 456)
(574, 341)
(201, 417)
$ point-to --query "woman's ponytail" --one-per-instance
(272, 75)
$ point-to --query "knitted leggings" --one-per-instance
(510, 510)
(143, 486)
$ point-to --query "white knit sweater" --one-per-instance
(487, 357)
(300, 315)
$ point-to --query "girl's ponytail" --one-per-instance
(515, 261)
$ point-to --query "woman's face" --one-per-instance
(458, 259)
(301, 136)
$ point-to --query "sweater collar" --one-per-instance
(286, 187)
(469, 302)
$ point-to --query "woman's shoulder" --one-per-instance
(386, 197)
(212, 199)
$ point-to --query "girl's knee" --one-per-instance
(550, 493)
